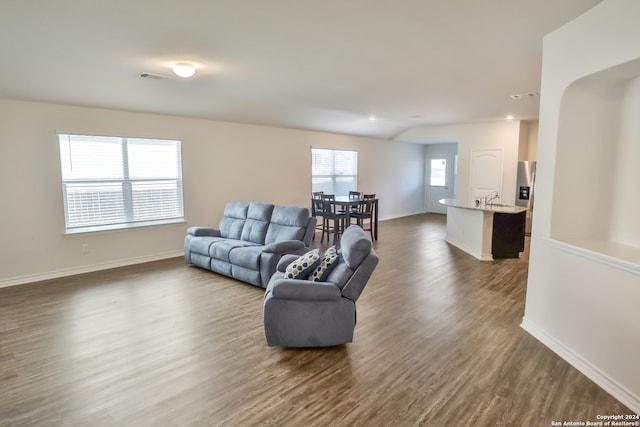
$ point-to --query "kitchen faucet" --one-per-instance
(491, 197)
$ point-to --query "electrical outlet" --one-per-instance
(85, 248)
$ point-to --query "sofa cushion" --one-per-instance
(255, 227)
(327, 263)
(340, 274)
(287, 223)
(301, 267)
(221, 250)
(246, 256)
(235, 215)
(355, 246)
(202, 244)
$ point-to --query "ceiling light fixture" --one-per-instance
(184, 70)
(372, 118)
(509, 117)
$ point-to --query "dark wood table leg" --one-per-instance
(375, 222)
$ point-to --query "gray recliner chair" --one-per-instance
(300, 313)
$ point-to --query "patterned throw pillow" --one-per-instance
(327, 263)
(305, 264)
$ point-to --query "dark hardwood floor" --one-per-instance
(438, 343)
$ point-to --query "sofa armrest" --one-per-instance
(296, 289)
(285, 261)
(284, 246)
(203, 231)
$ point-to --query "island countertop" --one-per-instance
(491, 207)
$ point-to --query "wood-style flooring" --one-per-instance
(438, 343)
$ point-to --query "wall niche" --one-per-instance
(596, 197)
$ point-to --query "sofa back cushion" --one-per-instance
(355, 246)
(235, 216)
(356, 263)
(255, 227)
(287, 223)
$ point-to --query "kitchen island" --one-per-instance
(487, 232)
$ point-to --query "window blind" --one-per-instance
(334, 171)
(113, 182)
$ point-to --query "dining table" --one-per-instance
(345, 203)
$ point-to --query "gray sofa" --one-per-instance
(300, 313)
(251, 239)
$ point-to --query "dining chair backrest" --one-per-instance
(316, 203)
(328, 204)
(316, 206)
(366, 207)
(355, 195)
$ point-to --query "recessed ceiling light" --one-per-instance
(509, 117)
(372, 118)
(184, 70)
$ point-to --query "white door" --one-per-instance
(486, 174)
(440, 181)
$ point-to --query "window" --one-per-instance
(334, 171)
(112, 182)
(438, 172)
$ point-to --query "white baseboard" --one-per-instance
(592, 372)
(13, 281)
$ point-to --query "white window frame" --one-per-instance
(164, 211)
(335, 173)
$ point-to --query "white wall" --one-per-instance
(580, 303)
(625, 227)
(504, 135)
(528, 147)
(221, 162)
(532, 137)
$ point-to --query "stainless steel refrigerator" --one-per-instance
(525, 186)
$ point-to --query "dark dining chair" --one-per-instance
(317, 209)
(365, 212)
(333, 220)
(355, 196)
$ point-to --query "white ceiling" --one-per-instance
(325, 65)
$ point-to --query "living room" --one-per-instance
(225, 160)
